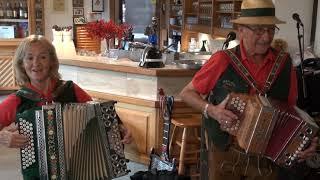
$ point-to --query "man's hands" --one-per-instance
(225, 117)
(10, 137)
(126, 133)
(310, 151)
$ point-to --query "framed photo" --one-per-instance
(97, 6)
(78, 11)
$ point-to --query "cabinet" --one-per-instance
(209, 17)
(198, 16)
(19, 26)
(224, 12)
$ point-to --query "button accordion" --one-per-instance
(270, 128)
(76, 141)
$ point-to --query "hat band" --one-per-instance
(257, 12)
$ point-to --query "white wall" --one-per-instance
(317, 38)
(288, 31)
(65, 18)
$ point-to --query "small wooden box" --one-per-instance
(84, 41)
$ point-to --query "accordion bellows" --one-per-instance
(77, 141)
(270, 128)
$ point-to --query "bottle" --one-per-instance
(1, 11)
(203, 48)
(179, 46)
(25, 12)
(9, 11)
(192, 45)
(21, 11)
(15, 11)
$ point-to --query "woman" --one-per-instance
(36, 68)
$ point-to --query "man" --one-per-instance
(221, 75)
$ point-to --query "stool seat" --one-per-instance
(186, 122)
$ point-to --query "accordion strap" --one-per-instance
(237, 64)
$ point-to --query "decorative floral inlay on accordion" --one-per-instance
(270, 128)
(76, 141)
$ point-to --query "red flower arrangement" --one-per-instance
(108, 30)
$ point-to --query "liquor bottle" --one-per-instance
(25, 12)
(1, 11)
(15, 11)
(9, 11)
(21, 11)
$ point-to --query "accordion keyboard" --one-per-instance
(28, 152)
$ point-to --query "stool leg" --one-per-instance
(171, 139)
(183, 146)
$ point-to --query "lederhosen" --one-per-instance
(29, 100)
(232, 81)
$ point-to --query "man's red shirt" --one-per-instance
(207, 77)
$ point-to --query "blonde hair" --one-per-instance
(19, 71)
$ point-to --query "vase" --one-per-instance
(106, 51)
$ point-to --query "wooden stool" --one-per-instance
(187, 122)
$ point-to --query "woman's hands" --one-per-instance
(10, 137)
(126, 134)
(225, 117)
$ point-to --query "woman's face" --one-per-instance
(37, 63)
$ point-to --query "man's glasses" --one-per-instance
(260, 30)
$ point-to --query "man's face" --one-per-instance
(257, 38)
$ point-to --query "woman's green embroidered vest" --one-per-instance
(231, 81)
(26, 110)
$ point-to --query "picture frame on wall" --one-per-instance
(97, 6)
(78, 11)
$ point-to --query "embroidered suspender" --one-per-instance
(247, 76)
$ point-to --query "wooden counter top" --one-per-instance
(10, 42)
(125, 65)
(9, 46)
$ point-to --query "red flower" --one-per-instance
(107, 30)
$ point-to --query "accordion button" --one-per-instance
(299, 148)
(302, 145)
(304, 142)
(295, 155)
(50, 132)
(306, 138)
(53, 177)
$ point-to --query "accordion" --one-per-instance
(270, 128)
(76, 141)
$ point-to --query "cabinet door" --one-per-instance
(142, 125)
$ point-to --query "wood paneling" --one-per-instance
(7, 79)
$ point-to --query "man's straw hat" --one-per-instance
(257, 12)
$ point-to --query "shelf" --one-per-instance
(199, 28)
(175, 27)
(224, 1)
(14, 20)
(191, 14)
(221, 32)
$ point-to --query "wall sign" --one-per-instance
(58, 5)
(97, 6)
(77, 3)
